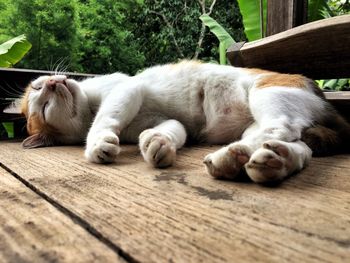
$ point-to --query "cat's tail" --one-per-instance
(328, 136)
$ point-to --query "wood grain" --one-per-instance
(32, 230)
(182, 215)
(319, 50)
(285, 14)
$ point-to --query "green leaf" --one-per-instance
(13, 51)
(332, 83)
(250, 10)
(9, 129)
(317, 9)
(224, 38)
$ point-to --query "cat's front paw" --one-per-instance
(272, 162)
(227, 161)
(157, 149)
(102, 147)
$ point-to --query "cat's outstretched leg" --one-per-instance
(228, 161)
(263, 154)
(270, 149)
(276, 160)
(116, 112)
(158, 145)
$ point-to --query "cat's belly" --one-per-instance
(228, 124)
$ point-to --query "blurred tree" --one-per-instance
(171, 30)
(102, 36)
(106, 43)
(50, 26)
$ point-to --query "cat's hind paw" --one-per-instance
(227, 161)
(157, 149)
(272, 162)
(102, 147)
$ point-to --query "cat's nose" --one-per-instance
(51, 84)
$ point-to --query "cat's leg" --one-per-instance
(116, 111)
(280, 116)
(159, 144)
(276, 160)
(228, 161)
(267, 154)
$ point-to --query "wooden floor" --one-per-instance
(56, 207)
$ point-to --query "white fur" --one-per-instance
(162, 106)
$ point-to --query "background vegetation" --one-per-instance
(101, 36)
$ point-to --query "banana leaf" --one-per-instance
(250, 10)
(224, 38)
(9, 129)
(13, 51)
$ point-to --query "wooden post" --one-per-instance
(285, 14)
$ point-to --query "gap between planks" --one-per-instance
(74, 217)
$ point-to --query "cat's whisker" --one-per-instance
(16, 93)
(61, 67)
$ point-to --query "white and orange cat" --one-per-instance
(271, 122)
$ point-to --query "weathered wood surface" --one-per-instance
(285, 14)
(319, 50)
(32, 230)
(182, 215)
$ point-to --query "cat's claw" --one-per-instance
(102, 147)
(271, 162)
(228, 161)
(157, 149)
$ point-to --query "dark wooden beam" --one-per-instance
(285, 14)
(319, 50)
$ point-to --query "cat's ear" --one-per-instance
(38, 140)
(14, 107)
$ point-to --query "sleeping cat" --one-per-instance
(271, 122)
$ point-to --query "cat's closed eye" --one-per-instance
(44, 108)
(38, 87)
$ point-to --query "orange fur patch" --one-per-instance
(35, 124)
(284, 80)
(24, 101)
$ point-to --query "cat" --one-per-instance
(271, 122)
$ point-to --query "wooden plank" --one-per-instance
(313, 49)
(285, 14)
(182, 215)
(338, 96)
(32, 230)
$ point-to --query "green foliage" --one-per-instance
(9, 128)
(86, 35)
(250, 10)
(316, 9)
(171, 29)
(101, 36)
(320, 9)
(50, 27)
(108, 45)
(334, 84)
(13, 51)
(224, 38)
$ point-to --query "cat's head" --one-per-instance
(56, 110)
